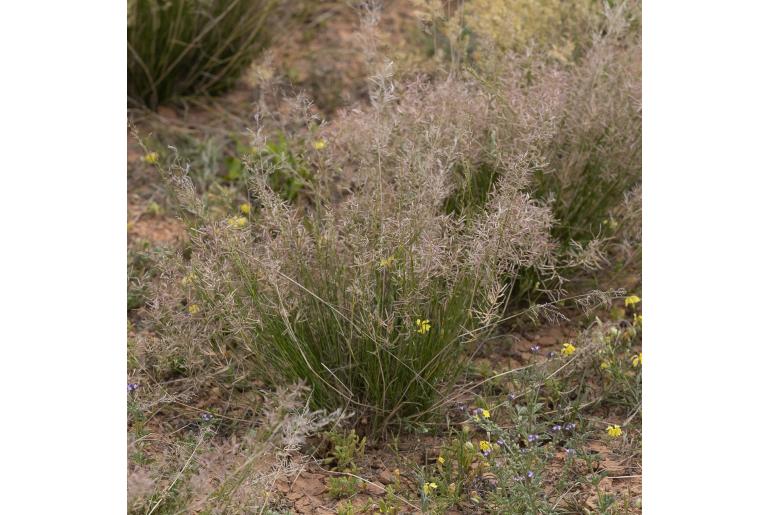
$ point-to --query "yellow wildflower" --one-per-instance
(485, 446)
(237, 221)
(614, 431)
(189, 279)
(485, 413)
(567, 349)
(386, 262)
(637, 360)
(151, 158)
(319, 144)
(423, 326)
(633, 299)
(193, 309)
(428, 487)
(605, 365)
(245, 208)
(441, 460)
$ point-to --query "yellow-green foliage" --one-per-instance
(558, 27)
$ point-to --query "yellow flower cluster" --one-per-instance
(423, 326)
(485, 446)
(319, 144)
(193, 309)
(427, 488)
(614, 431)
(237, 221)
(636, 361)
(151, 158)
(245, 208)
(568, 349)
(386, 262)
(632, 300)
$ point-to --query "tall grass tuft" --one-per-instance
(373, 298)
(429, 208)
(183, 47)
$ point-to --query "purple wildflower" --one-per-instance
(556, 428)
(535, 349)
(207, 417)
(132, 386)
(511, 396)
(551, 355)
(530, 474)
(532, 438)
(500, 442)
(570, 427)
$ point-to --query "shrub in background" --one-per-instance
(589, 103)
(595, 158)
(183, 47)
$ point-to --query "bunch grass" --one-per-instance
(185, 47)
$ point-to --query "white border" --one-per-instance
(63, 219)
(705, 256)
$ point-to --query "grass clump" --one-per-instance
(424, 210)
(183, 47)
(371, 298)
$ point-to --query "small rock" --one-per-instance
(375, 488)
(386, 477)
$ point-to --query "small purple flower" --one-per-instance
(477, 411)
(487, 452)
(207, 417)
(570, 452)
(532, 438)
(530, 474)
(551, 355)
(524, 450)
(535, 349)
(461, 407)
(556, 428)
(132, 386)
(500, 442)
(570, 427)
(511, 396)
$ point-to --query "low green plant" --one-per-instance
(343, 486)
(183, 47)
(346, 449)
